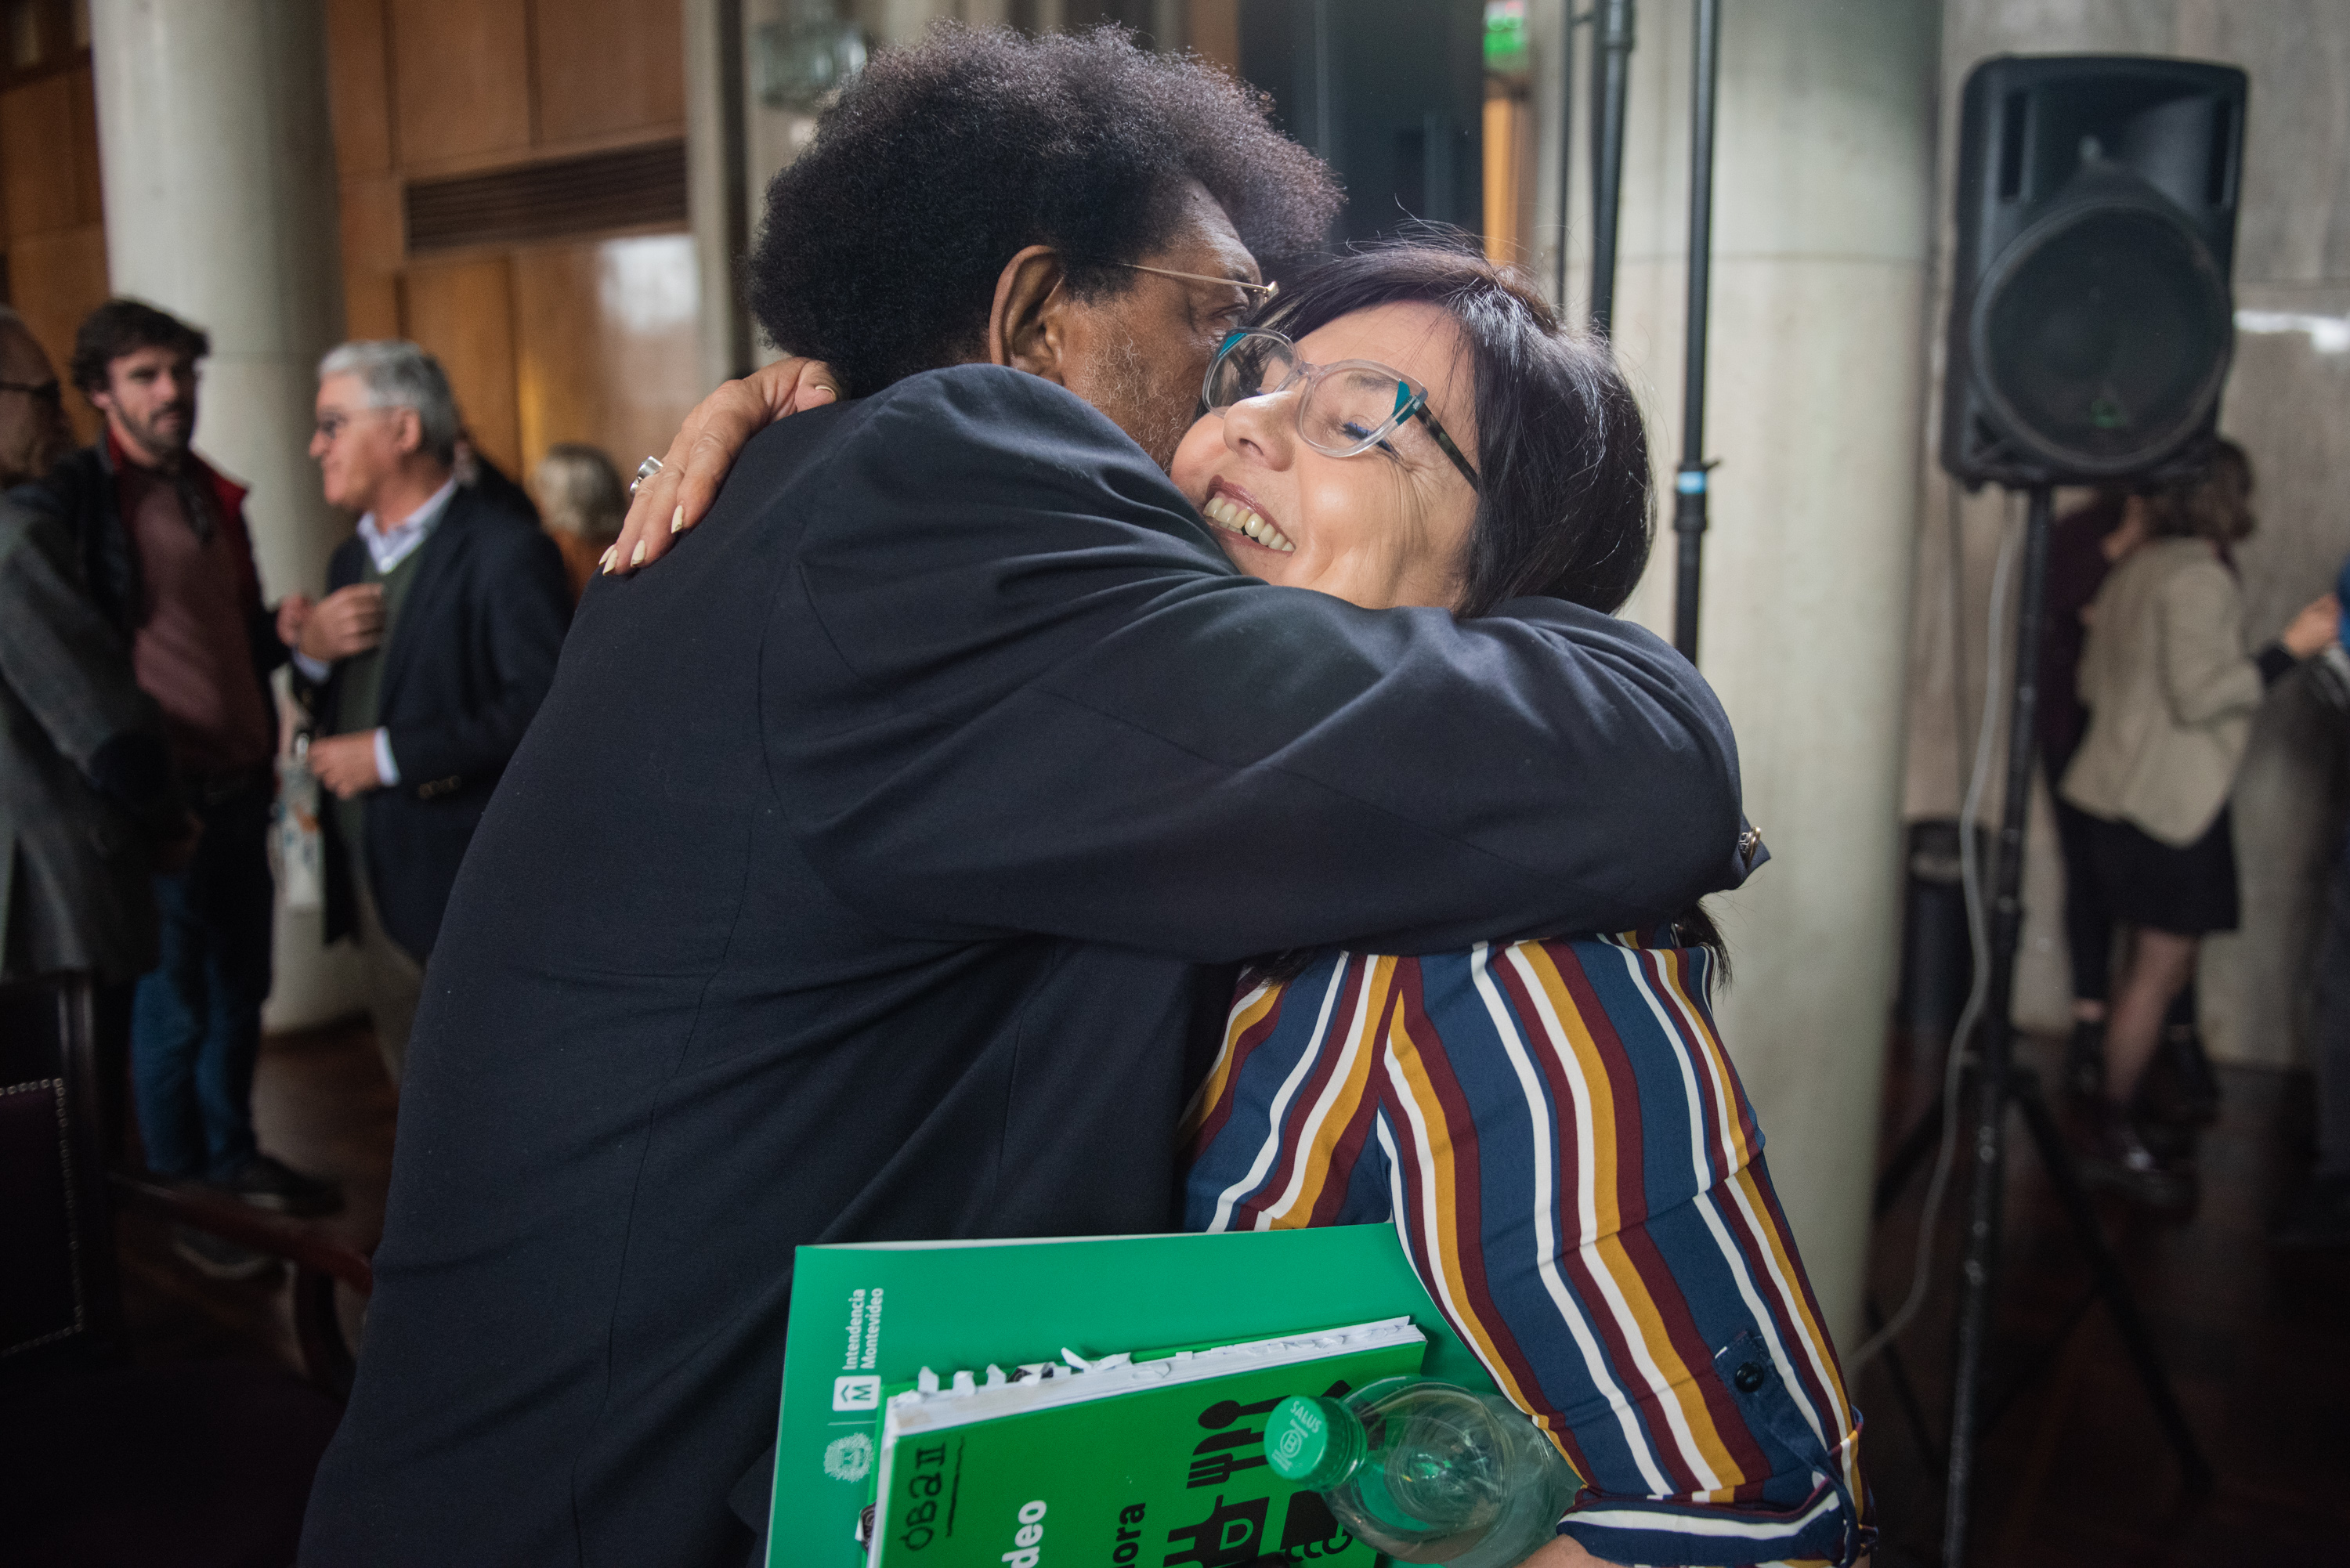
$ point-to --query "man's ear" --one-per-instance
(1028, 328)
(409, 437)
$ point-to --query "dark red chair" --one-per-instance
(197, 1464)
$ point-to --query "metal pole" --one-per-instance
(1998, 1037)
(733, 117)
(1690, 483)
(1322, 116)
(1611, 66)
(1568, 23)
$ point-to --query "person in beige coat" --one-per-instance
(2171, 694)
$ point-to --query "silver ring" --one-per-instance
(645, 471)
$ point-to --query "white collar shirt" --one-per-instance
(387, 546)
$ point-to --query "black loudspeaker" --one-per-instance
(2091, 321)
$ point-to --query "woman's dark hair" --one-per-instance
(2214, 504)
(941, 161)
(1564, 508)
(122, 326)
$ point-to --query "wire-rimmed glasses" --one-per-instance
(1343, 409)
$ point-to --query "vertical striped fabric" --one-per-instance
(1562, 1144)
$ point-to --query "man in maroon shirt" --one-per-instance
(167, 558)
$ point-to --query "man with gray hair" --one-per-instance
(431, 652)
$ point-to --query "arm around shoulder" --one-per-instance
(1017, 686)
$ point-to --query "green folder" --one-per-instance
(869, 1316)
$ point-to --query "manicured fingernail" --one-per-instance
(677, 520)
(637, 556)
(610, 551)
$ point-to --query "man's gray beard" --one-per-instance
(1157, 422)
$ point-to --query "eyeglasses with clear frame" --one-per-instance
(1343, 411)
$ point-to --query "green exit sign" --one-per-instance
(1506, 37)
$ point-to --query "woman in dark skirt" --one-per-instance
(2171, 694)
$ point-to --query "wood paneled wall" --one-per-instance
(577, 339)
(51, 221)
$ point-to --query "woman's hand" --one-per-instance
(2319, 623)
(713, 435)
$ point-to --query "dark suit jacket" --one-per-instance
(468, 664)
(85, 783)
(872, 873)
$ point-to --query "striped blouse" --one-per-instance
(1560, 1140)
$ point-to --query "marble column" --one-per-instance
(218, 166)
(1823, 233)
(718, 204)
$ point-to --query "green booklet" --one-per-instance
(870, 1316)
(1154, 1460)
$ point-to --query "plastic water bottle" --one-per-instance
(1425, 1472)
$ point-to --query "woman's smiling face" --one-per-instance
(1387, 527)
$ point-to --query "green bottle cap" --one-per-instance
(1315, 1443)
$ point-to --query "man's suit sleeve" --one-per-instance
(319, 697)
(1013, 686)
(71, 670)
(524, 609)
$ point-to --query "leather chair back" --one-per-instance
(59, 1303)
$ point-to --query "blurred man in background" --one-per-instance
(430, 653)
(161, 542)
(86, 796)
(582, 503)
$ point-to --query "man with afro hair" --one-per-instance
(885, 250)
(875, 868)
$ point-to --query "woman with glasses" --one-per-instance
(1551, 1123)
(1552, 1126)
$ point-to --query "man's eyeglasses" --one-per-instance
(47, 391)
(1262, 293)
(331, 426)
(1344, 409)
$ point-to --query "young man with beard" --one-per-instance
(873, 868)
(166, 559)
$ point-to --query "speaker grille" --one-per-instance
(2103, 338)
(630, 187)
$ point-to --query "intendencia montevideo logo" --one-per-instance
(864, 1330)
(858, 1388)
(1028, 1541)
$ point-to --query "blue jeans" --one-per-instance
(195, 1024)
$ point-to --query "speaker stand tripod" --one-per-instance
(1993, 1085)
